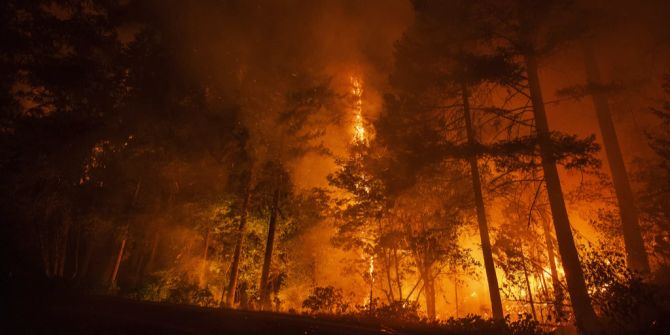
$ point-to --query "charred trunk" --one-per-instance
(632, 236)
(491, 277)
(203, 270)
(397, 274)
(555, 281)
(387, 269)
(269, 247)
(237, 255)
(581, 303)
(529, 291)
(429, 290)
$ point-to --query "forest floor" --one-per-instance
(109, 315)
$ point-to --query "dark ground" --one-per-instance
(70, 314)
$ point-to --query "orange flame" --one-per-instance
(357, 92)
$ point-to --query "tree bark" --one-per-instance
(269, 248)
(235, 265)
(90, 245)
(117, 264)
(585, 317)
(203, 270)
(491, 277)
(387, 268)
(632, 236)
(528, 288)
(152, 256)
(429, 286)
(77, 251)
(140, 263)
(397, 274)
(555, 281)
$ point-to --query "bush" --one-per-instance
(185, 292)
(625, 301)
(398, 310)
(325, 300)
(475, 324)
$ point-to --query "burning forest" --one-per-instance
(336, 166)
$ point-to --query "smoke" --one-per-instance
(250, 53)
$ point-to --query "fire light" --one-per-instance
(357, 92)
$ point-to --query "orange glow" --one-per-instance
(357, 92)
(371, 268)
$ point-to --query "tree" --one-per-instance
(635, 250)
(60, 85)
(655, 195)
(453, 43)
(273, 186)
(431, 226)
(533, 29)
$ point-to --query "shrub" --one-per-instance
(325, 300)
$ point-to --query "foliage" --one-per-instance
(627, 303)
(328, 300)
(395, 311)
(655, 196)
(475, 324)
(185, 292)
(174, 287)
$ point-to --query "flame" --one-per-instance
(357, 92)
(371, 268)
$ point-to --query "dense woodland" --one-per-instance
(249, 155)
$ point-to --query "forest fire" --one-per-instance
(380, 166)
(359, 127)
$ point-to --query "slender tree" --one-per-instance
(632, 235)
(237, 254)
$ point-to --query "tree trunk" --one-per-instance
(77, 251)
(387, 267)
(555, 281)
(140, 263)
(585, 317)
(203, 270)
(235, 265)
(397, 273)
(119, 257)
(152, 257)
(632, 236)
(429, 286)
(90, 245)
(528, 288)
(491, 277)
(269, 246)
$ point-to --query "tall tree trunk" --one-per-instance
(88, 255)
(397, 273)
(545, 293)
(269, 248)
(632, 236)
(235, 265)
(555, 281)
(528, 288)
(491, 277)
(387, 268)
(585, 317)
(141, 250)
(77, 251)
(152, 257)
(117, 264)
(203, 270)
(429, 286)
